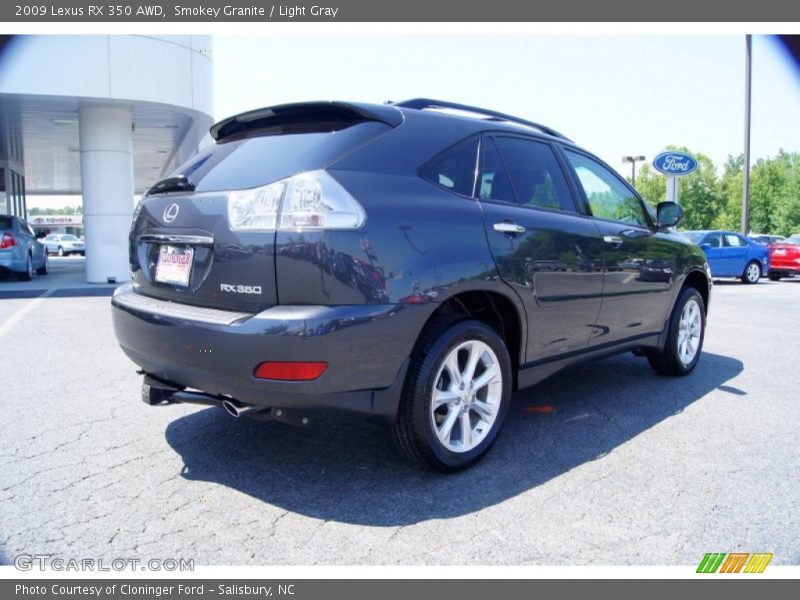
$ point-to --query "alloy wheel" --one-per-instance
(466, 396)
(689, 331)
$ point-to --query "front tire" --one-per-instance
(685, 334)
(456, 395)
(773, 276)
(60, 251)
(752, 272)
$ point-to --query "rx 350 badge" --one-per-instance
(239, 289)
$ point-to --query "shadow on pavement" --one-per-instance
(344, 468)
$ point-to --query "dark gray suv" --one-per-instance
(416, 261)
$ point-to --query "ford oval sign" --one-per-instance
(675, 163)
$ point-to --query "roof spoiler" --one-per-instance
(300, 112)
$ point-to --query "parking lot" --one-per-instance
(602, 464)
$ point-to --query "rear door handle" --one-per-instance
(507, 227)
(613, 240)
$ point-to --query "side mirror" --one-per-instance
(705, 246)
(669, 214)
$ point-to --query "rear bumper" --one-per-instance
(785, 266)
(366, 348)
(11, 262)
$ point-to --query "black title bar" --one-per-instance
(405, 11)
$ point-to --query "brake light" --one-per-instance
(290, 371)
(8, 241)
(312, 200)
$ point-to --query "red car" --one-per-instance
(784, 258)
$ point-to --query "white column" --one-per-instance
(107, 174)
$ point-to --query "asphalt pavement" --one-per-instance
(604, 464)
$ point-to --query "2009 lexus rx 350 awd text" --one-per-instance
(416, 261)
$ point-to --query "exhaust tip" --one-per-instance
(231, 408)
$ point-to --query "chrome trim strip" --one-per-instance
(127, 298)
(199, 240)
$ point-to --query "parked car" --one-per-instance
(731, 254)
(766, 239)
(463, 241)
(20, 251)
(64, 244)
(785, 258)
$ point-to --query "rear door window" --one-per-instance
(535, 174)
(733, 241)
(494, 181)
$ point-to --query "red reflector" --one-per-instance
(290, 371)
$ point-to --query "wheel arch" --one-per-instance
(700, 281)
(497, 310)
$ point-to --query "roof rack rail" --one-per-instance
(423, 103)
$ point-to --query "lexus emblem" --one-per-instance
(171, 213)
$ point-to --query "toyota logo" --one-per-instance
(171, 213)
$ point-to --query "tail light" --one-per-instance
(8, 241)
(312, 200)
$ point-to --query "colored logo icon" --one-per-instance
(734, 562)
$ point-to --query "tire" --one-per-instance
(432, 435)
(27, 274)
(43, 269)
(774, 276)
(688, 315)
(82, 253)
(752, 272)
(60, 251)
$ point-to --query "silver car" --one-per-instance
(20, 251)
(64, 244)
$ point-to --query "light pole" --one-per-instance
(633, 160)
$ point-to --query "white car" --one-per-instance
(63, 244)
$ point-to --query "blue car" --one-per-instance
(20, 249)
(731, 254)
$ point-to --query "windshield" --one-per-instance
(695, 236)
(69, 238)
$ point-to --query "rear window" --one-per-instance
(255, 161)
(5, 223)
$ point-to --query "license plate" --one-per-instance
(174, 265)
(780, 250)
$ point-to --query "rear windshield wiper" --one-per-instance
(171, 184)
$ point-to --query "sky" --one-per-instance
(614, 95)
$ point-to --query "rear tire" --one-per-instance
(27, 274)
(455, 396)
(774, 276)
(752, 272)
(43, 269)
(685, 334)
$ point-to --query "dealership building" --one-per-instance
(103, 117)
